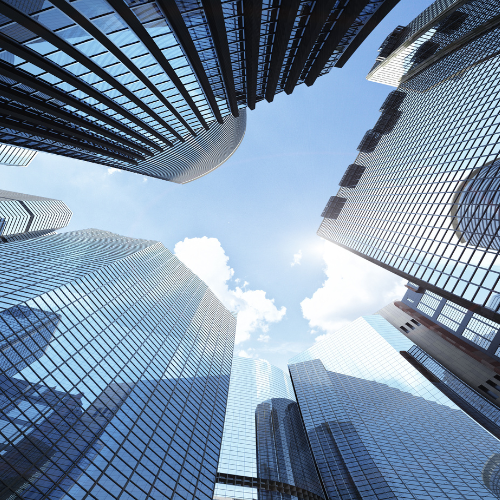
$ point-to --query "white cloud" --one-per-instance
(297, 257)
(112, 170)
(244, 354)
(206, 258)
(353, 287)
(263, 338)
(144, 179)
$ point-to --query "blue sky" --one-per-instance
(245, 222)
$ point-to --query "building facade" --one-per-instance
(160, 87)
(14, 156)
(425, 206)
(119, 361)
(265, 454)
(24, 216)
(378, 427)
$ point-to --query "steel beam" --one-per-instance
(46, 107)
(215, 18)
(317, 20)
(136, 26)
(370, 25)
(67, 77)
(286, 19)
(5, 112)
(14, 95)
(87, 25)
(252, 12)
(30, 24)
(348, 15)
(176, 22)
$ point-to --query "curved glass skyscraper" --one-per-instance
(265, 454)
(159, 87)
(114, 371)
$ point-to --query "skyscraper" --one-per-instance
(265, 454)
(378, 428)
(14, 156)
(24, 216)
(160, 87)
(124, 386)
(425, 204)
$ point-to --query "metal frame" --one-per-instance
(136, 26)
(176, 22)
(28, 23)
(43, 63)
(318, 18)
(215, 19)
(82, 21)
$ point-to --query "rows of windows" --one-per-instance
(402, 212)
(117, 365)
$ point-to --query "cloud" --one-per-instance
(112, 170)
(353, 287)
(206, 258)
(297, 257)
(244, 354)
(263, 338)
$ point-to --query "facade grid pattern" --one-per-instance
(409, 203)
(128, 83)
(356, 393)
(126, 391)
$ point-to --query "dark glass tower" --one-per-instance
(379, 429)
(265, 454)
(160, 87)
(23, 216)
(115, 371)
(426, 204)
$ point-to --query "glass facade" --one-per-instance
(16, 157)
(141, 84)
(426, 204)
(469, 400)
(23, 216)
(265, 454)
(115, 362)
(378, 428)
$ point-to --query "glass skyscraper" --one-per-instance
(14, 156)
(24, 216)
(379, 429)
(115, 364)
(160, 87)
(426, 204)
(265, 454)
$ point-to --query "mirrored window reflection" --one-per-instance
(265, 454)
(115, 361)
(380, 429)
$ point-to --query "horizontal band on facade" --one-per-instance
(266, 484)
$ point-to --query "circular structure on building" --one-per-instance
(476, 208)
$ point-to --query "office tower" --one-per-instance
(122, 392)
(160, 87)
(16, 157)
(462, 341)
(424, 205)
(23, 216)
(378, 428)
(265, 454)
